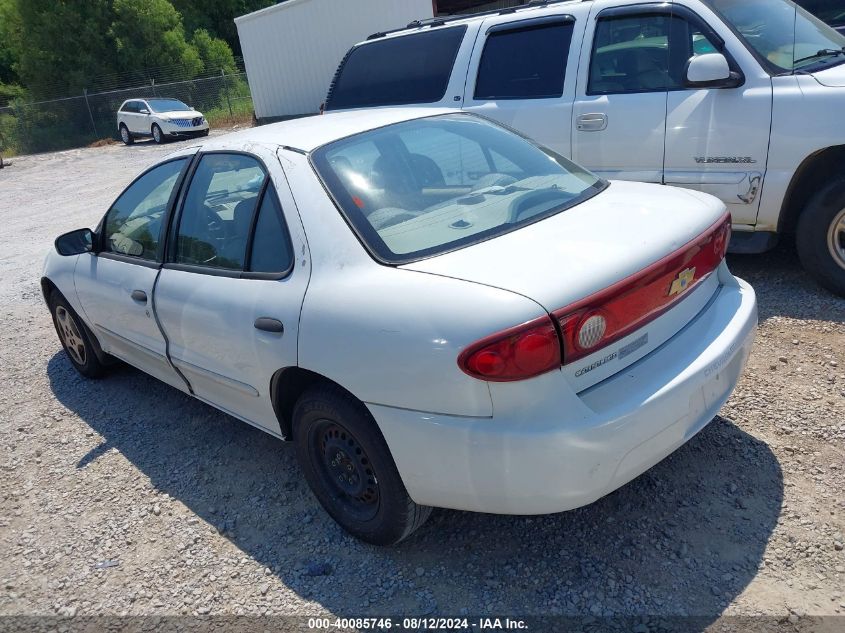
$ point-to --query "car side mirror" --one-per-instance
(144, 111)
(75, 243)
(711, 71)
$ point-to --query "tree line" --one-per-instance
(54, 48)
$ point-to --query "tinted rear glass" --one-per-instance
(427, 186)
(396, 71)
(527, 63)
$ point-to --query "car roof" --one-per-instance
(308, 133)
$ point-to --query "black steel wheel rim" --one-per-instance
(346, 469)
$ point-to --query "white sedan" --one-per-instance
(160, 119)
(435, 310)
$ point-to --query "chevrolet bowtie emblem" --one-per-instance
(682, 281)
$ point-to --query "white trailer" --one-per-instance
(291, 50)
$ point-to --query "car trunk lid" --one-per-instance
(638, 246)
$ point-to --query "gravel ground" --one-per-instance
(124, 496)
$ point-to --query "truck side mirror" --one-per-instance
(711, 71)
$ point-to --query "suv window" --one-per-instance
(397, 70)
(133, 224)
(644, 54)
(271, 246)
(217, 213)
(524, 63)
(127, 107)
(630, 54)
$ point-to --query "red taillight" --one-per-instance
(613, 313)
(522, 352)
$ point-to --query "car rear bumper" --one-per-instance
(556, 450)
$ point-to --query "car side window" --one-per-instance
(217, 212)
(271, 246)
(524, 63)
(133, 224)
(630, 54)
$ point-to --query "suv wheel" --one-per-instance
(350, 470)
(821, 237)
(158, 136)
(125, 136)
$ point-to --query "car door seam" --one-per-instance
(164, 334)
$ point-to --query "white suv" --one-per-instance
(742, 99)
(159, 118)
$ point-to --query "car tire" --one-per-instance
(820, 237)
(79, 344)
(350, 469)
(126, 135)
(158, 135)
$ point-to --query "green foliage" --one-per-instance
(149, 34)
(10, 42)
(214, 53)
(63, 44)
(217, 16)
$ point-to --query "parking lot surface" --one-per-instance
(125, 496)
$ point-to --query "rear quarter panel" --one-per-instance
(390, 336)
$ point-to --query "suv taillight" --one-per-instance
(518, 353)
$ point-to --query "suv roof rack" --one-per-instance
(444, 19)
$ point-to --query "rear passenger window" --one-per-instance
(631, 54)
(217, 213)
(524, 63)
(398, 70)
(271, 249)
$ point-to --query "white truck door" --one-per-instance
(717, 138)
(619, 116)
(230, 292)
(115, 286)
(522, 74)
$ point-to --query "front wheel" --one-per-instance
(75, 339)
(820, 237)
(350, 470)
(125, 136)
(158, 136)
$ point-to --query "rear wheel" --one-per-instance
(75, 338)
(820, 237)
(349, 467)
(158, 136)
(125, 136)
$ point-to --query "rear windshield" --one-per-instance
(428, 186)
(396, 71)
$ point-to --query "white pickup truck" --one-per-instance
(742, 99)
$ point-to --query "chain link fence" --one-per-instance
(78, 121)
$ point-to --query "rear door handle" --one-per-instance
(266, 324)
(139, 295)
(592, 122)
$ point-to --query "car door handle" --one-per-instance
(139, 295)
(592, 122)
(267, 324)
